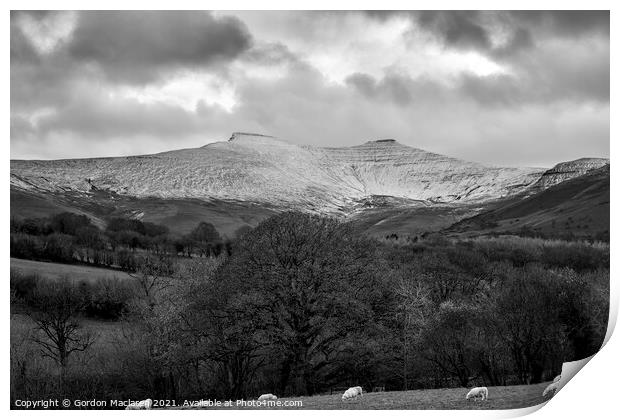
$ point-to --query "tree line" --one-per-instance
(72, 238)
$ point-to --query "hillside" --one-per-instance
(575, 207)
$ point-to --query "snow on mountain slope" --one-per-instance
(263, 169)
(568, 170)
(386, 167)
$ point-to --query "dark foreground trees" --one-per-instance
(304, 305)
(305, 284)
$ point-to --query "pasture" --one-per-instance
(500, 398)
(56, 271)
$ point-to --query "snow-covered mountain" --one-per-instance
(263, 169)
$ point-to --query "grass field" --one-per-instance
(500, 397)
(55, 271)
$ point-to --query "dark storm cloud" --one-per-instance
(572, 23)
(43, 82)
(21, 48)
(129, 47)
(37, 80)
(460, 29)
(471, 29)
(39, 14)
(397, 88)
(136, 46)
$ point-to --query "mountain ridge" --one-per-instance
(258, 168)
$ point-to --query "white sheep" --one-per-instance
(140, 405)
(480, 391)
(353, 392)
(265, 397)
(552, 388)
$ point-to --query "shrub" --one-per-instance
(578, 256)
(68, 223)
(108, 298)
(23, 285)
(59, 247)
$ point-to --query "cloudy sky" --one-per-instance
(509, 88)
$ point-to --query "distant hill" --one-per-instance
(576, 207)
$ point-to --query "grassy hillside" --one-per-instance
(180, 216)
(26, 204)
(409, 221)
(578, 207)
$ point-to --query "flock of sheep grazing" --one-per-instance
(478, 393)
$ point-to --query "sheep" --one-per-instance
(140, 405)
(265, 397)
(480, 391)
(552, 388)
(353, 392)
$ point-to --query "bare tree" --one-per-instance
(449, 340)
(153, 275)
(57, 307)
(412, 312)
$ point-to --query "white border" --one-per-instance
(592, 394)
